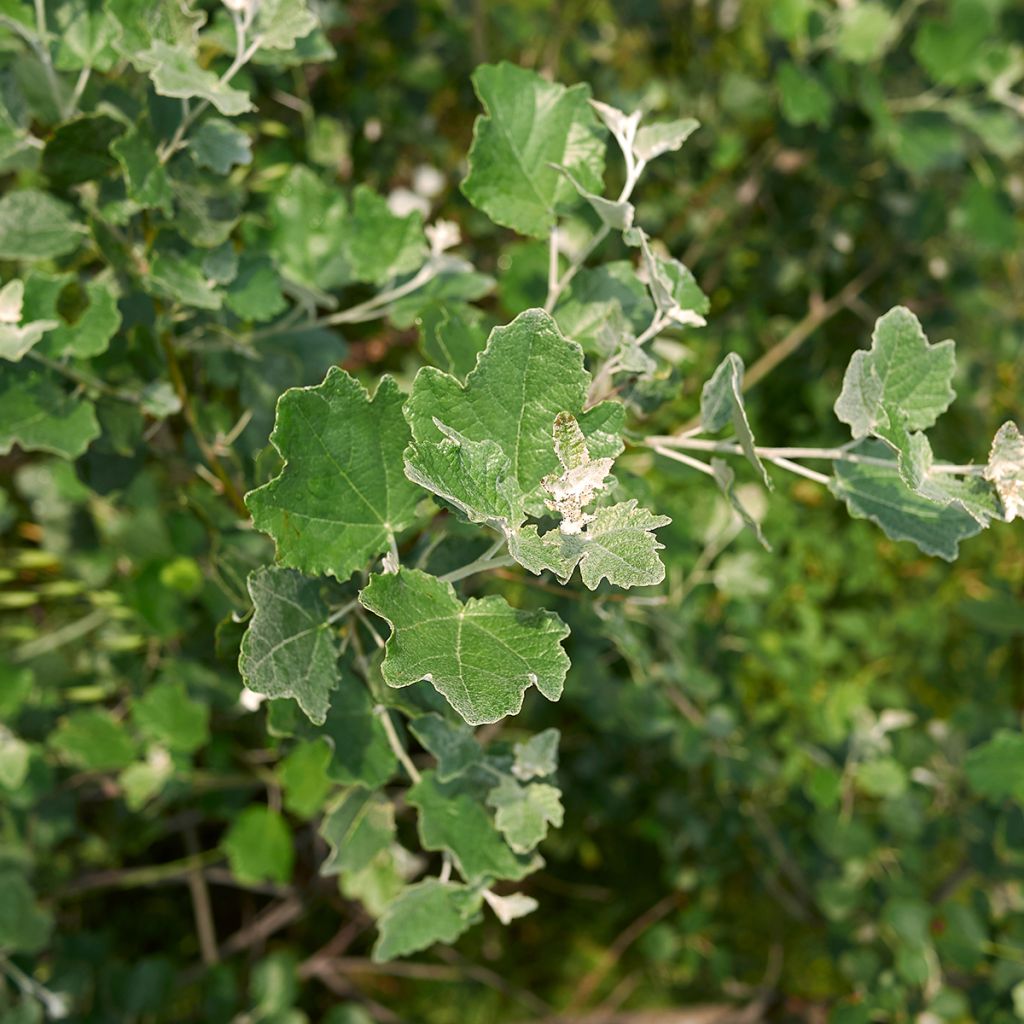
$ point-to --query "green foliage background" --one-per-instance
(792, 783)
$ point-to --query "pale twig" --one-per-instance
(396, 744)
(686, 460)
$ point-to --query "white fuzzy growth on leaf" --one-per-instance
(1005, 469)
(581, 480)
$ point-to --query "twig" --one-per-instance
(396, 744)
(200, 894)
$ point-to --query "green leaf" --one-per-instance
(93, 740)
(995, 770)
(86, 319)
(537, 757)
(451, 743)
(481, 655)
(220, 145)
(618, 545)
(654, 139)
(178, 279)
(24, 926)
(87, 34)
(901, 384)
(35, 226)
(282, 22)
(381, 245)
(877, 493)
(529, 125)
(523, 813)
(474, 476)
(721, 402)
(145, 177)
(255, 293)
(342, 494)
(1005, 469)
(452, 819)
(428, 912)
(39, 415)
(615, 213)
(453, 338)
(15, 754)
(804, 99)
(304, 779)
(590, 311)
(175, 72)
(866, 30)
(79, 150)
(672, 285)
(726, 480)
(308, 226)
(16, 341)
(526, 376)
(289, 649)
(362, 754)
(165, 713)
(357, 826)
(259, 847)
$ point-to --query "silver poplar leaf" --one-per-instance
(721, 402)
(451, 743)
(1005, 469)
(17, 339)
(970, 493)
(474, 476)
(529, 125)
(452, 818)
(39, 415)
(654, 139)
(672, 285)
(281, 22)
(480, 655)
(901, 384)
(288, 649)
(524, 378)
(726, 480)
(537, 757)
(581, 479)
(422, 914)
(175, 72)
(342, 492)
(508, 908)
(617, 544)
(617, 214)
(524, 812)
(877, 493)
(357, 826)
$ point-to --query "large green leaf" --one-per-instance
(175, 72)
(428, 912)
(35, 226)
(527, 375)
(342, 494)
(481, 655)
(289, 649)
(879, 494)
(39, 415)
(530, 125)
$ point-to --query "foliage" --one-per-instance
(301, 465)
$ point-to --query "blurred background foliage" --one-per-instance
(771, 798)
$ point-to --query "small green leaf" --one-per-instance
(94, 740)
(220, 145)
(877, 493)
(361, 752)
(304, 779)
(481, 655)
(381, 245)
(24, 926)
(176, 278)
(901, 384)
(259, 847)
(15, 754)
(452, 743)
(282, 22)
(615, 213)
(996, 769)
(523, 813)
(804, 100)
(618, 545)
(590, 311)
(92, 328)
(145, 177)
(255, 293)
(537, 758)
(17, 339)
(452, 819)
(452, 339)
(726, 480)
(654, 139)
(530, 124)
(39, 415)
(357, 826)
(721, 402)
(342, 494)
(175, 72)
(428, 912)
(35, 226)
(165, 713)
(288, 649)
(866, 30)
(672, 285)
